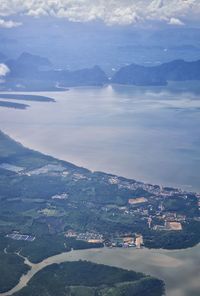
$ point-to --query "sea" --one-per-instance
(150, 134)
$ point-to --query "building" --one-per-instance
(173, 226)
(137, 200)
(128, 241)
(169, 225)
(71, 233)
(139, 241)
(149, 222)
(95, 241)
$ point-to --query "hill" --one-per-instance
(90, 279)
(34, 73)
(177, 70)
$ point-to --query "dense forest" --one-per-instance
(90, 279)
(11, 269)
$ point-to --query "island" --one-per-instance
(25, 97)
(37, 74)
(177, 70)
(13, 105)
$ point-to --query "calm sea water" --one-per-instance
(150, 134)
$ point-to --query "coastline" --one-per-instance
(151, 250)
(81, 165)
(70, 104)
(48, 261)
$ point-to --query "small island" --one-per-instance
(24, 97)
(13, 105)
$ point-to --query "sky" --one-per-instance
(111, 12)
(110, 33)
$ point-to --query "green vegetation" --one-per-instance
(44, 246)
(31, 202)
(85, 278)
(92, 204)
(186, 206)
(173, 239)
(11, 268)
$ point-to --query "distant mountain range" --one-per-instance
(178, 70)
(27, 64)
(34, 73)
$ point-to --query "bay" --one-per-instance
(149, 134)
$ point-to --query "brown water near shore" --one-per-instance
(179, 268)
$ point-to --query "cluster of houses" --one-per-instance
(90, 237)
(135, 241)
(20, 237)
(168, 220)
(93, 237)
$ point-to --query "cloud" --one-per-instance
(175, 22)
(4, 70)
(173, 12)
(37, 12)
(9, 24)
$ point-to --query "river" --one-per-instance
(179, 268)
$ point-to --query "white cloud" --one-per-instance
(173, 12)
(4, 70)
(175, 22)
(9, 24)
(37, 12)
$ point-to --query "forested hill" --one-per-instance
(34, 73)
(178, 70)
(90, 279)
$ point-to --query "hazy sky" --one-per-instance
(123, 12)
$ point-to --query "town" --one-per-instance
(75, 207)
(152, 210)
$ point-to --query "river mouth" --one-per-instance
(179, 268)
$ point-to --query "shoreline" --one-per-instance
(69, 256)
(58, 258)
(102, 171)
